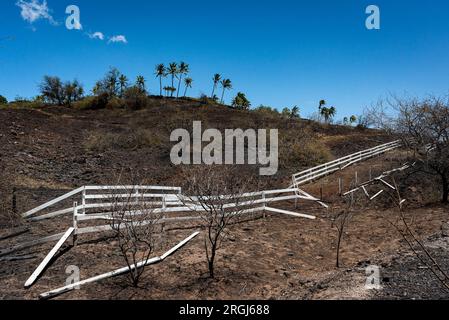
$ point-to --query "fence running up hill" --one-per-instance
(320, 171)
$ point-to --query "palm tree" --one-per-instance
(295, 113)
(322, 104)
(226, 84)
(123, 84)
(216, 79)
(188, 83)
(173, 71)
(141, 83)
(353, 119)
(183, 70)
(328, 113)
(160, 73)
(332, 112)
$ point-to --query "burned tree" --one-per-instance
(134, 222)
(217, 195)
(424, 126)
(341, 221)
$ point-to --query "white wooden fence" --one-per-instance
(97, 203)
(320, 171)
(96, 197)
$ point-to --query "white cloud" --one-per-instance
(118, 38)
(34, 10)
(97, 35)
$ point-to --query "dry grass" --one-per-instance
(22, 181)
(135, 139)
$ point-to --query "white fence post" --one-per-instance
(164, 207)
(264, 204)
(75, 223)
(83, 200)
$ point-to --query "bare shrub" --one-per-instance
(134, 223)
(340, 223)
(215, 193)
(377, 116)
(342, 219)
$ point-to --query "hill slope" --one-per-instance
(61, 147)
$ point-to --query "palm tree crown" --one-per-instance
(141, 83)
(188, 83)
(322, 104)
(183, 70)
(226, 84)
(216, 79)
(160, 73)
(123, 84)
(173, 71)
(328, 113)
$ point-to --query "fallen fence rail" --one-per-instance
(48, 258)
(70, 287)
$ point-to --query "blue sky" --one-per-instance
(280, 53)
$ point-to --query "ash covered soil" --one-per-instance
(44, 155)
(273, 258)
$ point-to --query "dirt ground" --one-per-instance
(278, 257)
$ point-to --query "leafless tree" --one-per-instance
(377, 116)
(340, 222)
(216, 194)
(424, 126)
(134, 222)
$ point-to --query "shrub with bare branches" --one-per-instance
(216, 194)
(135, 225)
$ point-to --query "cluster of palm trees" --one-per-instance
(226, 84)
(349, 121)
(327, 113)
(178, 72)
(174, 71)
(115, 84)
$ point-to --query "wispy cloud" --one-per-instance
(118, 39)
(97, 35)
(34, 10)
